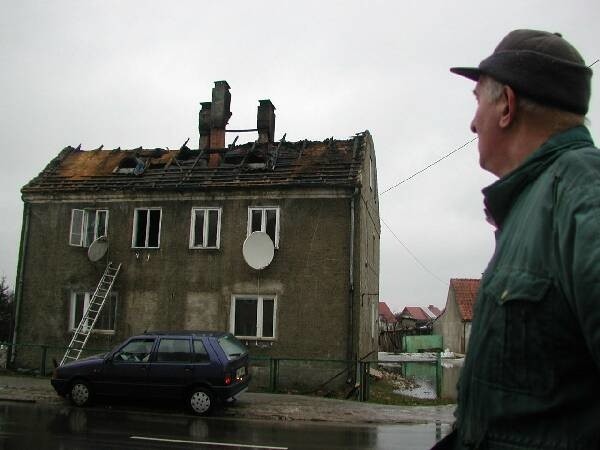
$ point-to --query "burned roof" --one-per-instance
(305, 163)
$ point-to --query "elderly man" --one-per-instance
(531, 378)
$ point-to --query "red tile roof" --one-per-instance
(415, 312)
(435, 310)
(465, 292)
(387, 314)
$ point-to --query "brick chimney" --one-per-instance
(265, 121)
(212, 120)
(204, 126)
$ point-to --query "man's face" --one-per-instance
(486, 125)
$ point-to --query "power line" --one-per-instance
(429, 166)
(413, 255)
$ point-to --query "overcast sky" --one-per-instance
(132, 73)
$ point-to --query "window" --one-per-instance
(374, 317)
(205, 231)
(87, 225)
(253, 316)
(266, 220)
(232, 347)
(174, 350)
(80, 301)
(136, 350)
(200, 353)
(146, 228)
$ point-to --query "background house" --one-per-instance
(176, 220)
(387, 320)
(454, 324)
(417, 318)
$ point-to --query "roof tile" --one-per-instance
(384, 310)
(465, 292)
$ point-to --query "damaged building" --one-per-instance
(176, 222)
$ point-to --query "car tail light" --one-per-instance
(227, 379)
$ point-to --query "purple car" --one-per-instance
(200, 367)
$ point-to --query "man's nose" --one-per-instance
(473, 129)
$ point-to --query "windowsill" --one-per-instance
(204, 248)
(251, 338)
(103, 332)
(145, 248)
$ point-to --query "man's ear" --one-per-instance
(508, 105)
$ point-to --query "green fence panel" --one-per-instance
(415, 344)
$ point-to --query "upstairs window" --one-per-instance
(87, 225)
(264, 219)
(205, 230)
(80, 301)
(146, 228)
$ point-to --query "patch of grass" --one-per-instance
(381, 391)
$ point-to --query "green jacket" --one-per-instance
(531, 377)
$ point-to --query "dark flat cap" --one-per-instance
(541, 66)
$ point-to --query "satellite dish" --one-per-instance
(98, 249)
(258, 250)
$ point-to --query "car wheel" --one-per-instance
(80, 393)
(200, 401)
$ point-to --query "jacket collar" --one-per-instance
(500, 196)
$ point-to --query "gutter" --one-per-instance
(19, 281)
(351, 278)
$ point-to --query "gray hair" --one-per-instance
(558, 119)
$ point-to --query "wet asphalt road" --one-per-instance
(35, 426)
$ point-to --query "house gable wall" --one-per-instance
(450, 325)
(366, 256)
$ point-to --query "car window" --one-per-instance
(232, 347)
(137, 350)
(200, 353)
(174, 350)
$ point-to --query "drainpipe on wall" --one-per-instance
(19, 280)
(351, 275)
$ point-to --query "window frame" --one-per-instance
(87, 297)
(205, 229)
(81, 241)
(135, 222)
(263, 220)
(259, 316)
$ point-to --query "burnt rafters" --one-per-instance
(330, 162)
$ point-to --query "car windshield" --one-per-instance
(232, 347)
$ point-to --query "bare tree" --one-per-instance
(6, 311)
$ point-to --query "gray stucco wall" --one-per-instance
(450, 325)
(366, 258)
(174, 287)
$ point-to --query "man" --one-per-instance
(531, 377)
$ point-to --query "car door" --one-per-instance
(171, 367)
(125, 372)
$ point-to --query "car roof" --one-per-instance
(195, 333)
